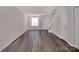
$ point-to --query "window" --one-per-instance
(34, 21)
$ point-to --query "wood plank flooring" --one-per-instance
(39, 41)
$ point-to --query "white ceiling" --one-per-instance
(36, 9)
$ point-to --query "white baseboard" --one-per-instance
(63, 39)
(8, 43)
(50, 31)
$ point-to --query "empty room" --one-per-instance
(39, 29)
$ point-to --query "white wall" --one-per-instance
(46, 21)
(70, 24)
(12, 25)
(63, 24)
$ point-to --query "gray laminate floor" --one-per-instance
(39, 41)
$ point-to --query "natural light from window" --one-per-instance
(34, 21)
